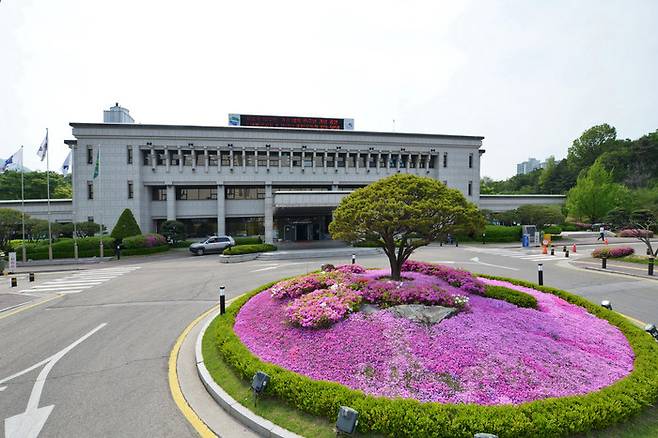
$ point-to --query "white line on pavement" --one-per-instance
(29, 423)
(46, 288)
(264, 269)
(477, 260)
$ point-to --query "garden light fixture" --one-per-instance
(606, 304)
(222, 300)
(347, 420)
(651, 329)
(259, 382)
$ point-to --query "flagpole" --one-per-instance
(23, 205)
(100, 187)
(50, 235)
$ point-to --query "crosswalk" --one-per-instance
(532, 255)
(80, 281)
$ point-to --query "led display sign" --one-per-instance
(290, 122)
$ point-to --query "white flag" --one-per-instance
(15, 162)
(67, 164)
(43, 148)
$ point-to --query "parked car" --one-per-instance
(212, 244)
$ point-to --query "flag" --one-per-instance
(67, 164)
(97, 167)
(43, 148)
(14, 162)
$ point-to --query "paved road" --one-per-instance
(102, 350)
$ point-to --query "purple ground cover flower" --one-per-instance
(455, 277)
(496, 353)
(323, 307)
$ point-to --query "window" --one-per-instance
(159, 194)
(130, 155)
(445, 159)
(174, 158)
(130, 190)
(373, 160)
(225, 157)
(274, 159)
(90, 190)
(237, 158)
(331, 160)
(262, 159)
(242, 193)
(422, 160)
(340, 159)
(160, 158)
(212, 158)
(383, 159)
(433, 159)
(187, 158)
(470, 188)
(250, 159)
(470, 160)
(90, 155)
(146, 158)
(285, 159)
(296, 159)
(308, 159)
(361, 160)
(90, 219)
(319, 160)
(196, 193)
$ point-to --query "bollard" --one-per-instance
(540, 273)
(564, 248)
(456, 243)
(14, 283)
(31, 277)
(353, 259)
(483, 238)
(573, 248)
(222, 300)
(604, 262)
(651, 262)
(441, 243)
(552, 251)
(566, 254)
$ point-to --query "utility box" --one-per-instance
(531, 231)
(347, 420)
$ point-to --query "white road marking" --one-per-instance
(29, 423)
(444, 262)
(83, 280)
(477, 260)
(264, 269)
(2, 388)
(40, 288)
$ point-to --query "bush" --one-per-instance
(248, 249)
(173, 231)
(552, 229)
(126, 226)
(635, 233)
(403, 417)
(512, 296)
(251, 240)
(63, 248)
(495, 233)
(612, 253)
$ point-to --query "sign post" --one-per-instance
(12, 262)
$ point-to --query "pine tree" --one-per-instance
(126, 226)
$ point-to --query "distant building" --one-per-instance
(528, 166)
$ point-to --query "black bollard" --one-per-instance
(456, 243)
(552, 251)
(564, 248)
(604, 262)
(31, 277)
(222, 300)
(14, 283)
(540, 273)
(566, 253)
(651, 262)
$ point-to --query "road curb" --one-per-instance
(238, 258)
(612, 271)
(255, 422)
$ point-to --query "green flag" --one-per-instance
(97, 168)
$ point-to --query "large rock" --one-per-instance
(423, 314)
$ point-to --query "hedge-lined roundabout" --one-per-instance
(441, 353)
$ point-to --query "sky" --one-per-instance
(529, 76)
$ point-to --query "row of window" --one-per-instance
(233, 192)
(283, 159)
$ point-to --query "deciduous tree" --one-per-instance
(403, 213)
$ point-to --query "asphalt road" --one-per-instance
(102, 352)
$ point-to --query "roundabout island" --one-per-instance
(439, 352)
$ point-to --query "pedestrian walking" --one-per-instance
(601, 233)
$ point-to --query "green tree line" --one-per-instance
(35, 185)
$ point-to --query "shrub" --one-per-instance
(512, 296)
(126, 226)
(252, 240)
(248, 249)
(134, 242)
(403, 417)
(454, 277)
(552, 229)
(174, 231)
(63, 248)
(323, 307)
(494, 233)
(613, 252)
(635, 233)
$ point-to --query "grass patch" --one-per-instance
(512, 296)
(273, 409)
(643, 260)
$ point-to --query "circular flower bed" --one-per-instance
(491, 352)
(613, 252)
(491, 366)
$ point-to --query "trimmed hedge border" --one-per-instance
(519, 299)
(404, 417)
(248, 249)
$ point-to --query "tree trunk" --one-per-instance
(395, 270)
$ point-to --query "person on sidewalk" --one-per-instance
(601, 233)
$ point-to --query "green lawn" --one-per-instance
(644, 426)
(635, 259)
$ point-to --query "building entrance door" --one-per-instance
(301, 232)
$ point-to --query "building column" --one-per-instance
(171, 203)
(269, 214)
(221, 210)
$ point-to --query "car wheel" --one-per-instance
(200, 252)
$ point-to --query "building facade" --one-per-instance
(277, 182)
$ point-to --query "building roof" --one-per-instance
(267, 129)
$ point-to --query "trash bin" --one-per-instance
(525, 240)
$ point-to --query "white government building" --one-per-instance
(279, 182)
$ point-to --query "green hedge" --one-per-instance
(87, 247)
(494, 233)
(248, 249)
(252, 240)
(551, 417)
(553, 229)
(512, 296)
